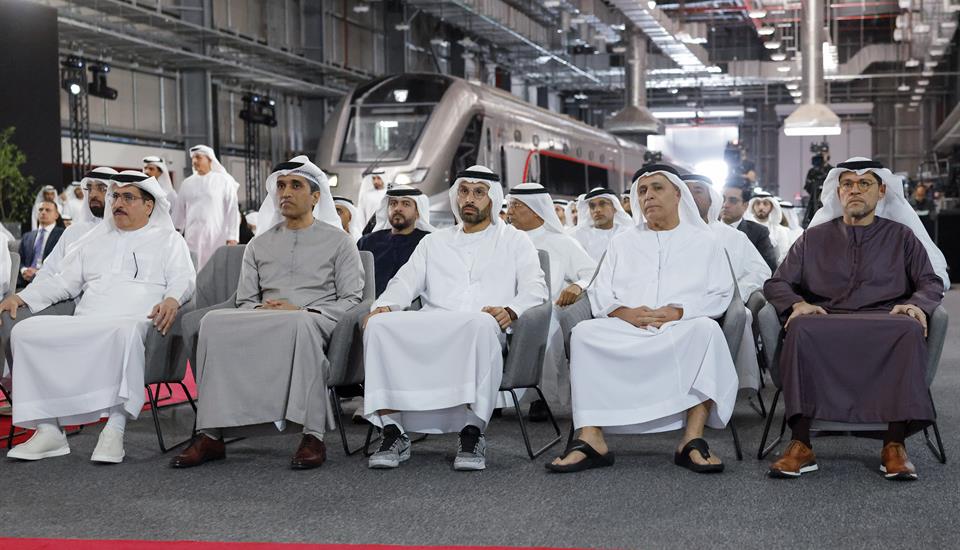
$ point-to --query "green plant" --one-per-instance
(15, 201)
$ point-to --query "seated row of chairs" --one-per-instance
(167, 356)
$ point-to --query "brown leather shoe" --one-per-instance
(312, 453)
(797, 460)
(202, 449)
(894, 463)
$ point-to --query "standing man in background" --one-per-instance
(206, 210)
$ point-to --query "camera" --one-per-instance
(820, 148)
(651, 157)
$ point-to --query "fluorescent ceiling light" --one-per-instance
(757, 14)
(651, 4)
(784, 68)
(551, 4)
(797, 100)
(778, 56)
(927, 73)
(812, 119)
(916, 97)
(361, 8)
(923, 82)
(793, 86)
(912, 63)
(936, 52)
(919, 90)
(921, 28)
(796, 93)
(772, 45)
(930, 63)
(903, 88)
(766, 31)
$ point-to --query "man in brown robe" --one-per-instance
(856, 291)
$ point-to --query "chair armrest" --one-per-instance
(936, 336)
(526, 347)
(190, 326)
(345, 351)
(771, 334)
(571, 315)
(732, 324)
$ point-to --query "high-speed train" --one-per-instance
(421, 129)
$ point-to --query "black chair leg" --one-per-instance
(736, 439)
(523, 425)
(757, 404)
(13, 430)
(155, 413)
(765, 449)
(938, 451)
(338, 414)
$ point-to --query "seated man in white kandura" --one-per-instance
(438, 370)
(263, 365)
(654, 359)
(131, 268)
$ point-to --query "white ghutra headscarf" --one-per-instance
(584, 219)
(269, 214)
(423, 207)
(688, 211)
(482, 174)
(537, 198)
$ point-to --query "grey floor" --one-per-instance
(644, 501)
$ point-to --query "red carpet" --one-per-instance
(165, 398)
(58, 544)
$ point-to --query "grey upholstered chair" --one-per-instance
(771, 332)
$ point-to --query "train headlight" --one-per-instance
(332, 180)
(413, 176)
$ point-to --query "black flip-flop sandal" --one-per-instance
(683, 458)
(593, 458)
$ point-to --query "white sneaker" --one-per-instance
(44, 443)
(109, 447)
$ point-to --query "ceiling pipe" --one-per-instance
(813, 117)
(635, 121)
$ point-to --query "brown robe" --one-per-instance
(858, 363)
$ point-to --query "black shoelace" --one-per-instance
(390, 436)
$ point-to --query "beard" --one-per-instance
(762, 216)
(474, 218)
(97, 210)
(400, 222)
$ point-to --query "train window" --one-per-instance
(402, 89)
(563, 177)
(566, 148)
(469, 147)
(597, 177)
(536, 140)
(603, 157)
(590, 155)
(517, 136)
(384, 133)
(579, 152)
(503, 168)
(489, 141)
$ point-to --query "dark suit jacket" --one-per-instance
(26, 249)
(760, 237)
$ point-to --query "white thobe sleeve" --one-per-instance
(753, 270)
(531, 284)
(231, 213)
(409, 282)
(66, 284)
(178, 271)
(603, 298)
(580, 266)
(715, 299)
(248, 289)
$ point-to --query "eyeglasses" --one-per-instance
(125, 198)
(862, 185)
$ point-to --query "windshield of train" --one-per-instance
(387, 117)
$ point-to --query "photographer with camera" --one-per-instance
(815, 176)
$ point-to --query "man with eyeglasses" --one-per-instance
(438, 370)
(134, 272)
(206, 209)
(735, 201)
(855, 293)
(89, 213)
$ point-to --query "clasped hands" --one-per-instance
(643, 316)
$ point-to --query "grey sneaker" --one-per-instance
(471, 450)
(394, 449)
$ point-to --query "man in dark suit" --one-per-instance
(735, 199)
(36, 245)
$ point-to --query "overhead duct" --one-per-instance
(634, 120)
(664, 32)
(813, 117)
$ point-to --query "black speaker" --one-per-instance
(29, 91)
